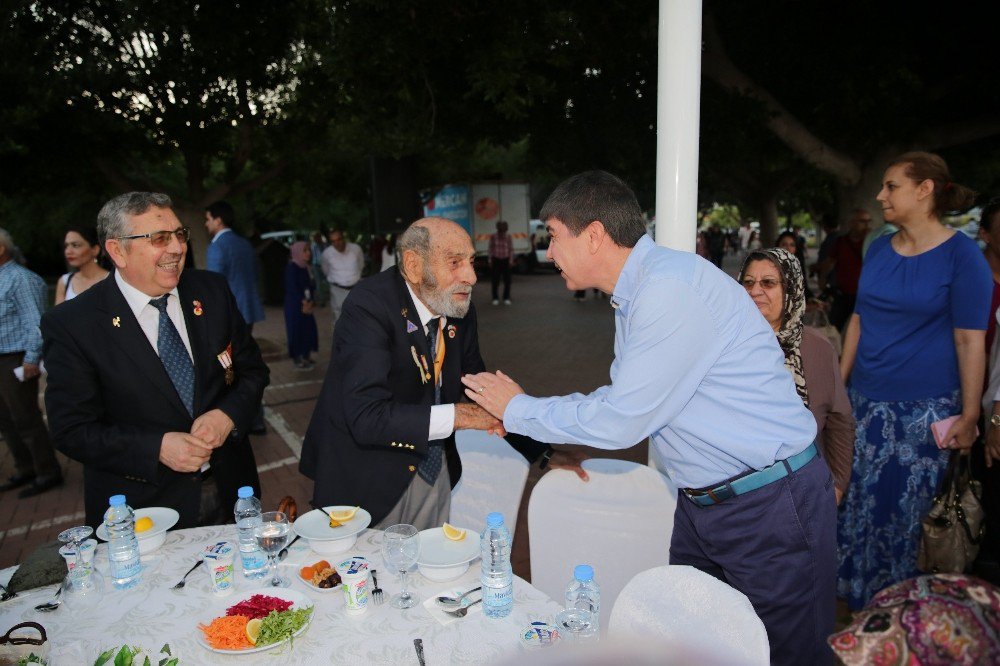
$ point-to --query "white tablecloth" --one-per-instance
(153, 614)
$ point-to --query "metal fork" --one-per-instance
(183, 580)
(463, 611)
(377, 596)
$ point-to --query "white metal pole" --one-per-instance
(678, 112)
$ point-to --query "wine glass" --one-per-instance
(271, 534)
(83, 587)
(400, 549)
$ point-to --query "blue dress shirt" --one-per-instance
(696, 368)
(22, 301)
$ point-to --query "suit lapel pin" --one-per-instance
(451, 331)
(404, 311)
(117, 322)
(410, 326)
(197, 308)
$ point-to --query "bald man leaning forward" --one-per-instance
(383, 432)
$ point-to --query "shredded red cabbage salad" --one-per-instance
(258, 606)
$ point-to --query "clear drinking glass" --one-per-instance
(83, 587)
(576, 624)
(400, 549)
(271, 535)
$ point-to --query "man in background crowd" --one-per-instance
(342, 264)
(22, 301)
(501, 258)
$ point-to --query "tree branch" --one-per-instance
(717, 65)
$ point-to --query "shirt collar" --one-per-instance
(136, 299)
(422, 311)
(628, 279)
(219, 233)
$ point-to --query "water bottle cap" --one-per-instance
(116, 500)
(244, 492)
(494, 519)
(583, 573)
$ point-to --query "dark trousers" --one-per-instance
(501, 269)
(21, 422)
(777, 545)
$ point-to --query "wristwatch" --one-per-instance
(995, 420)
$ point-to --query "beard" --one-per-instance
(440, 301)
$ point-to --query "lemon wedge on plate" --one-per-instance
(144, 524)
(453, 533)
(253, 630)
(343, 516)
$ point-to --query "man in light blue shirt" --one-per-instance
(699, 371)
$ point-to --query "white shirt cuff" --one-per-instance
(442, 422)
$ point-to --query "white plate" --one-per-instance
(436, 550)
(315, 525)
(308, 584)
(163, 519)
(219, 607)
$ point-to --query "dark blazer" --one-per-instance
(369, 429)
(110, 401)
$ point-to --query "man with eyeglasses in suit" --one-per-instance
(153, 376)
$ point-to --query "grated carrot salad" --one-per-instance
(228, 632)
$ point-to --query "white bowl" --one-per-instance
(332, 546)
(441, 574)
(152, 542)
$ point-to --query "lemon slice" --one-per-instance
(453, 533)
(253, 630)
(343, 516)
(144, 524)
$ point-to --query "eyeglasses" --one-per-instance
(162, 238)
(765, 283)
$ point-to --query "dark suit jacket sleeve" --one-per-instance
(252, 374)
(473, 363)
(365, 354)
(77, 414)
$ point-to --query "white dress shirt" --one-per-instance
(149, 317)
(442, 416)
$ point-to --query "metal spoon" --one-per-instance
(50, 605)
(453, 601)
(463, 611)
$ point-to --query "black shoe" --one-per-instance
(17, 481)
(40, 486)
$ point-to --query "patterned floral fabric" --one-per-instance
(895, 475)
(941, 619)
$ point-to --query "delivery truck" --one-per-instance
(477, 207)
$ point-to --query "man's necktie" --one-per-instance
(174, 355)
(430, 467)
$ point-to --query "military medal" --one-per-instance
(197, 308)
(451, 331)
(226, 361)
(423, 377)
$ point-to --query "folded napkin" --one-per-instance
(434, 609)
(43, 567)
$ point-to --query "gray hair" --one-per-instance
(112, 221)
(7, 241)
(416, 238)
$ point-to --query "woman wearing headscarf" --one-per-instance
(300, 324)
(914, 353)
(773, 278)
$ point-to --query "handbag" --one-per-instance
(818, 319)
(953, 528)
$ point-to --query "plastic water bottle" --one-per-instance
(497, 577)
(583, 604)
(247, 514)
(123, 547)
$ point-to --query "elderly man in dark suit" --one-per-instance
(153, 376)
(382, 434)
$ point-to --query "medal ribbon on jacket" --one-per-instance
(439, 352)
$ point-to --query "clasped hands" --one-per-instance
(187, 452)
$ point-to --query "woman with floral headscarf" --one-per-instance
(773, 278)
(300, 324)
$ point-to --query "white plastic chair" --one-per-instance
(688, 607)
(493, 477)
(619, 523)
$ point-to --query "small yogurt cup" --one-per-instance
(219, 563)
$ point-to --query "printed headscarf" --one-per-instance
(298, 253)
(794, 306)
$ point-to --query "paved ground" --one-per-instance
(545, 340)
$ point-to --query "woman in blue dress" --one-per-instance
(300, 324)
(914, 354)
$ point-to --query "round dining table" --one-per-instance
(153, 613)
